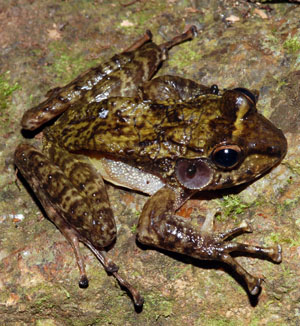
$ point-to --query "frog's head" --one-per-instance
(240, 146)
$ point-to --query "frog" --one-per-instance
(167, 137)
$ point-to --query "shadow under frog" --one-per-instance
(168, 137)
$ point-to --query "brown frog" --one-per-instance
(168, 137)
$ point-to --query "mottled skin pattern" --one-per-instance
(191, 136)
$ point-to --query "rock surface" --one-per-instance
(47, 43)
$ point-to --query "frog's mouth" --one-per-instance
(193, 174)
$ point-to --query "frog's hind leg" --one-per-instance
(80, 209)
(34, 166)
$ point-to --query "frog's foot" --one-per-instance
(107, 263)
(215, 246)
(72, 237)
(112, 268)
(188, 35)
(272, 253)
(177, 236)
(137, 298)
(222, 250)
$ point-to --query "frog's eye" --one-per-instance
(252, 96)
(226, 156)
(193, 174)
(214, 89)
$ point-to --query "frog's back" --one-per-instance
(120, 127)
(106, 127)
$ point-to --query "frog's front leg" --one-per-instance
(158, 226)
(75, 199)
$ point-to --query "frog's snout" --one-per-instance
(269, 140)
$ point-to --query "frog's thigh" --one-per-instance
(73, 189)
(175, 88)
(97, 223)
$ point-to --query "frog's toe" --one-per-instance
(139, 301)
(255, 289)
(193, 30)
(246, 227)
(83, 282)
(277, 255)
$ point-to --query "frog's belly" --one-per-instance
(122, 174)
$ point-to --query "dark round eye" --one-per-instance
(214, 89)
(249, 94)
(193, 174)
(226, 157)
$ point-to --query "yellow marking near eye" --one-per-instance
(243, 108)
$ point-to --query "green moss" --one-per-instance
(177, 274)
(44, 302)
(286, 272)
(232, 206)
(133, 229)
(288, 204)
(159, 305)
(255, 321)
(45, 322)
(294, 165)
(270, 42)
(292, 44)
(280, 85)
(279, 238)
(66, 64)
(45, 296)
(184, 57)
(6, 90)
(216, 321)
(294, 242)
(273, 238)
